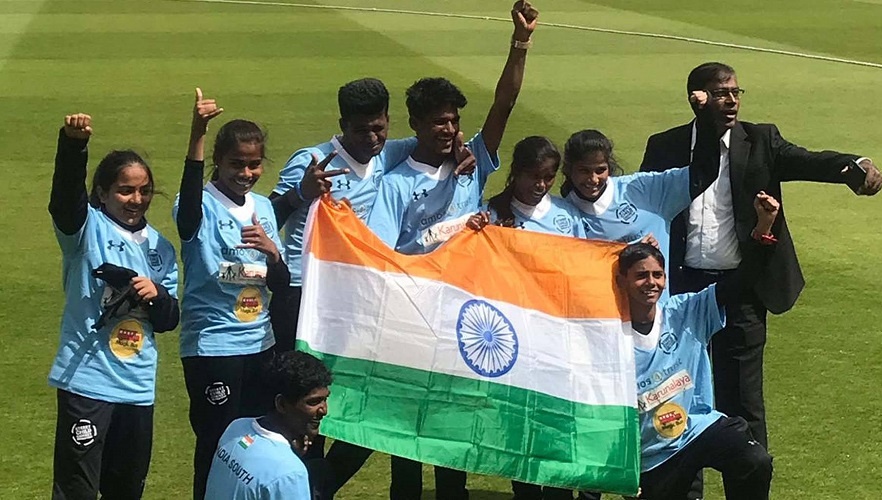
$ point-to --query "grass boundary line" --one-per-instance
(595, 29)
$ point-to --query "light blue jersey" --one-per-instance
(117, 363)
(552, 215)
(252, 463)
(359, 186)
(675, 395)
(420, 206)
(224, 309)
(633, 206)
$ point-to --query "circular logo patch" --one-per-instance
(669, 420)
(217, 393)
(626, 212)
(83, 432)
(563, 223)
(249, 304)
(668, 342)
(487, 341)
(127, 338)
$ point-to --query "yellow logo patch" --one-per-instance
(249, 304)
(127, 338)
(670, 420)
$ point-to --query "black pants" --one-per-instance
(407, 481)
(344, 460)
(726, 446)
(222, 389)
(524, 491)
(736, 354)
(284, 311)
(100, 447)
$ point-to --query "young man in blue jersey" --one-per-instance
(260, 458)
(681, 432)
(422, 203)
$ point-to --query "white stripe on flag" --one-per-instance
(584, 361)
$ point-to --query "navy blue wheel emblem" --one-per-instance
(487, 340)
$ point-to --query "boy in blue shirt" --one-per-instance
(259, 458)
(681, 432)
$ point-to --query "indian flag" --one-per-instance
(503, 352)
(246, 441)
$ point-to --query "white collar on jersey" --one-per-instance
(436, 173)
(533, 211)
(649, 341)
(136, 237)
(594, 207)
(272, 436)
(242, 213)
(362, 170)
(725, 138)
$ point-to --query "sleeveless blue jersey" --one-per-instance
(117, 363)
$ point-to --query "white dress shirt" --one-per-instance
(711, 242)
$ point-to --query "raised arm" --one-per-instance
(705, 165)
(189, 215)
(313, 184)
(69, 201)
(731, 288)
(509, 86)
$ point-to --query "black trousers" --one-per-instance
(736, 354)
(100, 447)
(344, 460)
(407, 481)
(524, 491)
(284, 311)
(222, 389)
(726, 446)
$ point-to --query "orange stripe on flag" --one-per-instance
(560, 276)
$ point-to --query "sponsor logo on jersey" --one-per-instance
(217, 393)
(236, 273)
(226, 224)
(249, 304)
(443, 231)
(626, 212)
(343, 183)
(678, 383)
(127, 338)
(119, 246)
(83, 432)
(670, 420)
(417, 195)
(563, 223)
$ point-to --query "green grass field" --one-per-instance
(133, 65)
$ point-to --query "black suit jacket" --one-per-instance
(759, 160)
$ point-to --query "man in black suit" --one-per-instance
(710, 239)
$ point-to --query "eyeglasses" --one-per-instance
(720, 94)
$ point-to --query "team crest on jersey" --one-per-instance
(127, 339)
(226, 224)
(217, 393)
(668, 342)
(563, 223)
(465, 180)
(626, 212)
(267, 227)
(377, 177)
(669, 420)
(361, 211)
(249, 304)
(154, 260)
(83, 432)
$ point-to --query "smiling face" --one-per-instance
(724, 101)
(437, 130)
(644, 282)
(304, 416)
(239, 170)
(589, 175)
(530, 185)
(128, 198)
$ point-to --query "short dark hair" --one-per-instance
(636, 252)
(710, 72)
(583, 143)
(431, 94)
(235, 132)
(294, 374)
(365, 97)
(529, 153)
(109, 169)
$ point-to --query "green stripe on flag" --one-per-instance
(482, 426)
